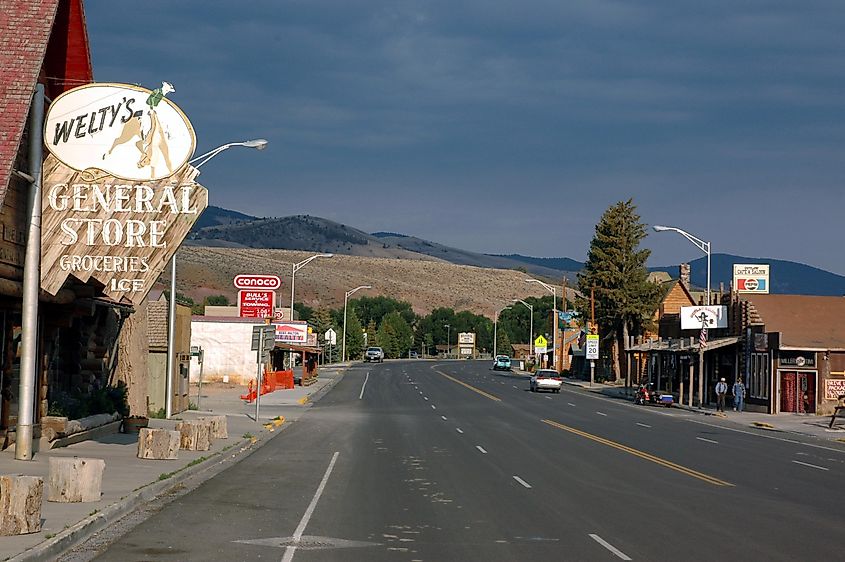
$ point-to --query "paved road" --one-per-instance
(414, 460)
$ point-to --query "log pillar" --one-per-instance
(158, 444)
(20, 504)
(75, 479)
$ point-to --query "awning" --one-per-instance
(299, 348)
(682, 345)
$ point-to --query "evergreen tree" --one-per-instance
(395, 335)
(624, 298)
(322, 319)
(354, 335)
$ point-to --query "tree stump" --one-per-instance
(218, 426)
(75, 479)
(158, 444)
(20, 504)
(195, 435)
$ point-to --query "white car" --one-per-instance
(545, 379)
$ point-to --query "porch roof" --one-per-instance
(682, 345)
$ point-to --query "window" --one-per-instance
(758, 380)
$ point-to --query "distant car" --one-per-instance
(502, 363)
(545, 379)
(374, 354)
(412, 355)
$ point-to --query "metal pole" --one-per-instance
(448, 341)
(592, 371)
(259, 353)
(171, 343)
(199, 392)
(345, 301)
(495, 326)
(708, 275)
(531, 337)
(292, 281)
(701, 378)
(31, 284)
(554, 326)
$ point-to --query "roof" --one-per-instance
(29, 43)
(804, 321)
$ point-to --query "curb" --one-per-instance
(51, 548)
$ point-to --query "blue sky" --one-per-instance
(505, 126)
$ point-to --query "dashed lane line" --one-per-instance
(601, 413)
(610, 547)
(643, 425)
(521, 481)
(444, 418)
(480, 448)
(363, 386)
(707, 440)
(459, 430)
(811, 465)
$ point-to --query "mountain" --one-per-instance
(215, 216)
(785, 277)
(561, 264)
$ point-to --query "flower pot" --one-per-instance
(133, 424)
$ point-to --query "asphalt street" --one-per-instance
(415, 460)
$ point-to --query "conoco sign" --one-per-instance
(119, 196)
(250, 281)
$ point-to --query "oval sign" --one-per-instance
(126, 131)
(245, 281)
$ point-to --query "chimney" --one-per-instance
(683, 274)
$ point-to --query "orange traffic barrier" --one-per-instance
(270, 382)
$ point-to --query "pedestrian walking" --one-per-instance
(721, 390)
(739, 394)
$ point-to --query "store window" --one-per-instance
(759, 382)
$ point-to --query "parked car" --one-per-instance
(502, 363)
(374, 354)
(412, 355)
(545, 379)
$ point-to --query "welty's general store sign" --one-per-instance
(118, 195)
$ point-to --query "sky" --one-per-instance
(511, 126)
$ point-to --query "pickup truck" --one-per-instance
(374, 354)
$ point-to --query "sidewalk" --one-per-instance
(129, 481)
(810, 425)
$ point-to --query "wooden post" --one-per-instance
(20, 504)
(218, 426)
(158, 444)
(195, 435)
(75, 479)
(691, 368)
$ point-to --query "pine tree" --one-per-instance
(624, 298)
(354, 335)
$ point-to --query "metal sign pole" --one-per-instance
(259, 353)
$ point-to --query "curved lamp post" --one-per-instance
(448, 340)
(530, 324)
(345, 302)
(258, 144)
(698, 242)
(553, 290)
(495, 328)
(297, 267)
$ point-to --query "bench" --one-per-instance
(837, 410)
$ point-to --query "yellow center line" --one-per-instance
(641, 454)
(472, 388)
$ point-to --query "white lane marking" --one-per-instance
(420, 391)
(726, 428)
(707, 440)
(444, 418)
(609, 547)
(601, 413)
(363, 386)
(459, 430)
(480, 448)
(425, 398)
(521, 481)
(643, 425)
(514, 386)
(433, 407)
(811, 465)
(297, 535)
(547, 397)
(571, 404)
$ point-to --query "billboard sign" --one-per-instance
(249, 281)
(751, 278)
(292, 332)
(121, 130)
(466, 338)
(256, 304)
(697, 317)
(119, 195)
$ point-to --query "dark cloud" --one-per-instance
(510, 126)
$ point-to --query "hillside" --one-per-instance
(426, 284)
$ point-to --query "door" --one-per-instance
(798, 392)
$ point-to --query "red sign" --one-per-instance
(264, 282)
(256, 304)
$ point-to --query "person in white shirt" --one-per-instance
(721, 390)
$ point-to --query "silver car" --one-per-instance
(545, 379)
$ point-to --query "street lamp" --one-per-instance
(258, 144)
(553, 291)
(345, 302)
(297, 267)
(448, 340)
(698, 242)
(495, 328)
(530, 324)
